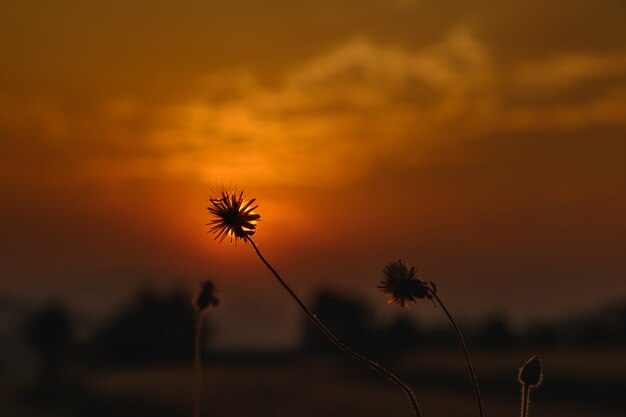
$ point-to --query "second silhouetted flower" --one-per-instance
(402, 285)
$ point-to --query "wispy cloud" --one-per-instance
(329, 119)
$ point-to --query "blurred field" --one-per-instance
(308, 388)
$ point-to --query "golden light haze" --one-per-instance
(483, 141)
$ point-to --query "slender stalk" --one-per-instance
(407, 390)
(479, 403)
(197, 354)
(525, 398)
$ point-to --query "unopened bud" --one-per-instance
(206, 296)
(531, 374)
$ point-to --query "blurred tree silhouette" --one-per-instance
(495, 333)
(49, 334)
(347, 317)
(541, 334)
(152, 329)
(606, 327)
(351, 320)
(401, 335)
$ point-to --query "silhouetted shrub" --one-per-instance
(49, 334)
(401, 335)
(347, 317)
(152, 329)
(495, 333)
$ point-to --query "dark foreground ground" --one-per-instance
(586, 383)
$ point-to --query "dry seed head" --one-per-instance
(234, 216)
(402, 286)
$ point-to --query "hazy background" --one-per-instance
(484, 142)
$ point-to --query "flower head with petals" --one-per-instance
(402, 285)
(234, 216)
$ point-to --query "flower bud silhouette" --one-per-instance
(204, 300)
(530, 376)
(531, 373)
(206, 296)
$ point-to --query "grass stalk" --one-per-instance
(197, 355)
(525, 399)
(457, 330)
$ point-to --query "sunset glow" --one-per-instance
(485, 144)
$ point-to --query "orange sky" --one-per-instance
(483, 142)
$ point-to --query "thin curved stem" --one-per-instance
(197, 354)
(479, 402)
(525, 398)
(338, 343)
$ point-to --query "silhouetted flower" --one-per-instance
(402, 285)
(531, 373)
(235, 216)
(206, 296)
